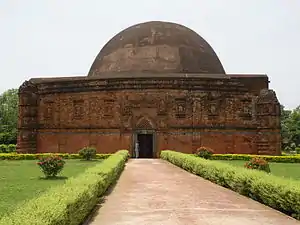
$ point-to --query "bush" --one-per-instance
(258, 164)
(276, 192)
(71, 202)
(11, 148)
(87, 153)
(7, 148)
(204, 152)
(3, 148)
(8, 137)
(17, 156)
(51, 165)
(269, 158)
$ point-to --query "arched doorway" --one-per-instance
(144, 134)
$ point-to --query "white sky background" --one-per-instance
(49, 38)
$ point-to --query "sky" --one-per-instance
(53, 38)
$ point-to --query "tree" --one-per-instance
(9, 116)
(294, 126)
(290, 128)
(285, 114)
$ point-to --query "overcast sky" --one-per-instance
(47, 38)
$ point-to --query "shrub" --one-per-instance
(204, 152)
(8, 137)
(87, 153)
(51, 165)
(258, 164)
(287, 149)
(279, 193)
(3, 148)
(18, 156)
(11, 148)
(297, 150)
(71, 202)
(7, 148)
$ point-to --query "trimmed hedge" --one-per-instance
(71, 202)
(269, 158)
(17, 156)
(276, 192)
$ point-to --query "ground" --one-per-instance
(21, 180)
(287, 170)
(153, 191)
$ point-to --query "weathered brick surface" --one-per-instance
(157, 47)
(185, 100)
(64, 118)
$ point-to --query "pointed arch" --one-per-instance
(145, 123)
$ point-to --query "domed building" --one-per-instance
(157, 84)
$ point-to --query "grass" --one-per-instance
(23, 180)
(286, 170)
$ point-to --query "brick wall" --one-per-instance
(226, 116)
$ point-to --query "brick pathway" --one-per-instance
(152, 191)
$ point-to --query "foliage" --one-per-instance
(11, 148)
(88, 153)
(18, 156)
(8, 137)
(290, 129)
(20, 180)
(269, 158)
(3, 148)
(51, 165)
(285, 170)
(257, 163)
(8, 116)
(7, 148)
(72, 202)
(204, 152)
(285, 193)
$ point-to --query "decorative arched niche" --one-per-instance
(145, 123)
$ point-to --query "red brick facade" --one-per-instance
(179, 111)
(66, 115)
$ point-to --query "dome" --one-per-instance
(157, 47)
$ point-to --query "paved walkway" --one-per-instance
(152, 191)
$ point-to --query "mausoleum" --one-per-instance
(156, 83)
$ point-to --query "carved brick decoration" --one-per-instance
(180, 107)
(156, 77)
(78, 109)
(108, 108)
(144, 123)
(49, 109)
(94, 105)
(195, 118)
(126, 109)
(162, 107)
(246, 109)
(213, 109)
(126, 122)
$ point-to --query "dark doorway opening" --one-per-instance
(145, 145)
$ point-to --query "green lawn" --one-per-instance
(287, 170)
(22, 180)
